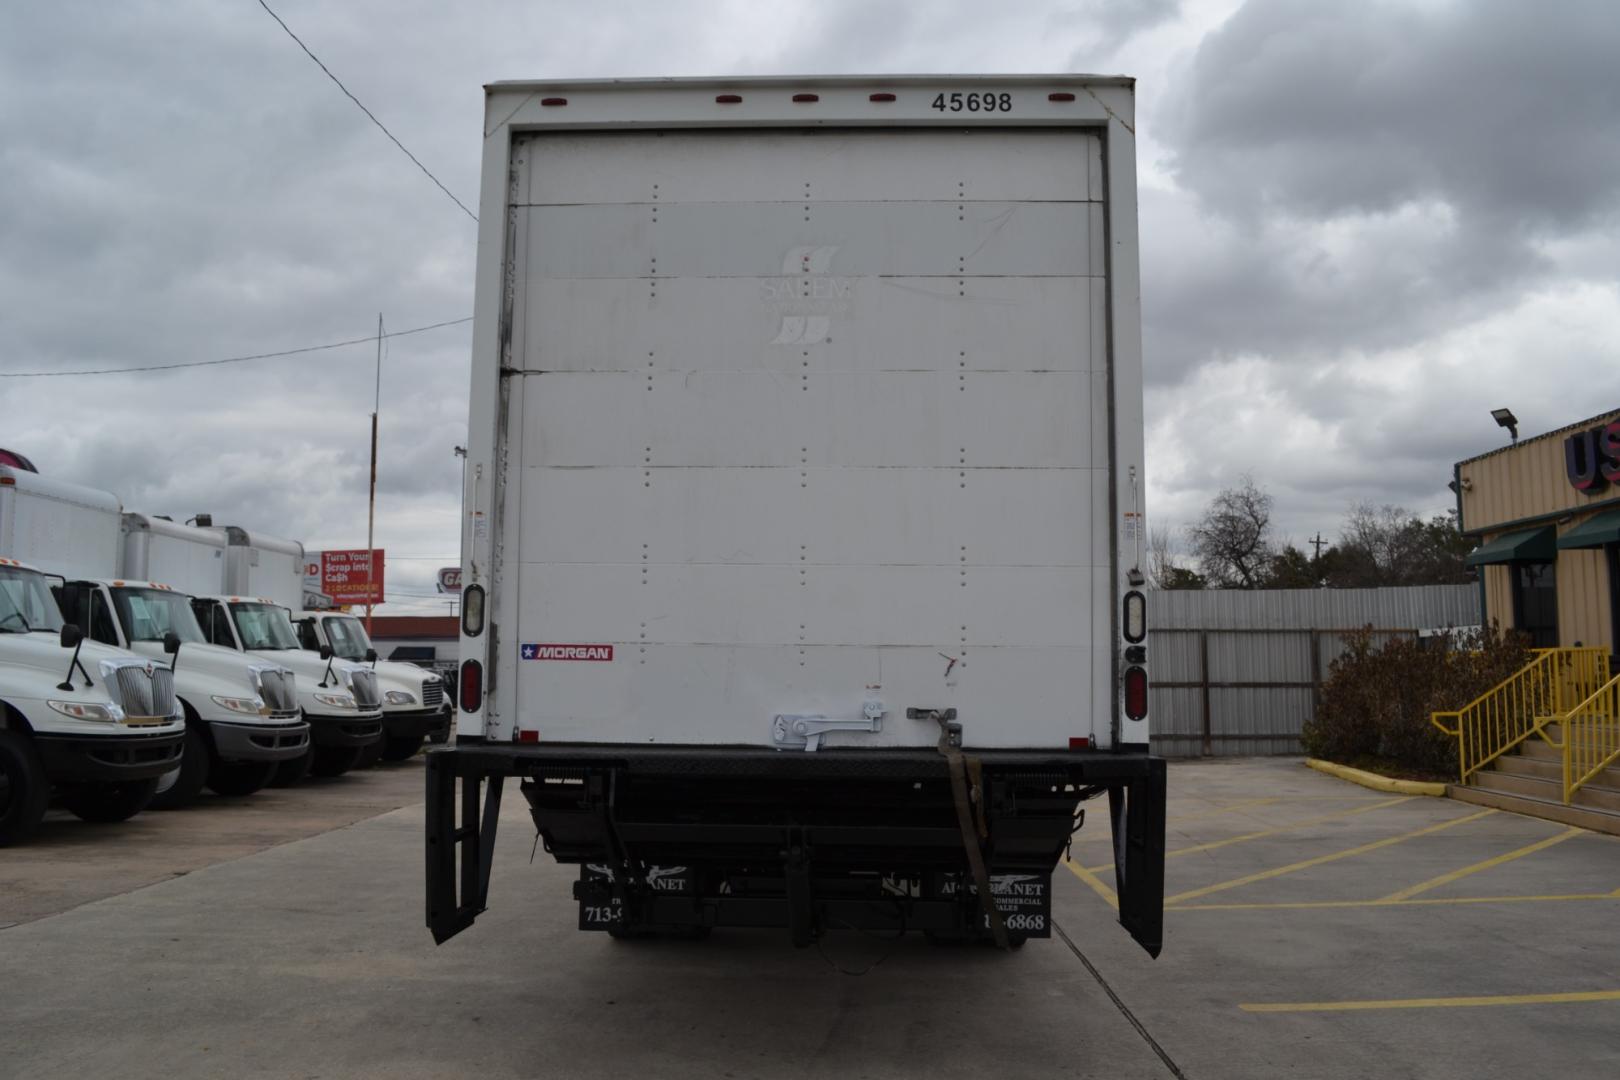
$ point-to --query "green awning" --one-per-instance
(1594, 532)
(1529, 545)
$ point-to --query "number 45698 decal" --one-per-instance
(959, 102)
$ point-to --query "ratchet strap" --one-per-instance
(973, 832)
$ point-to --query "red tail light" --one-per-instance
(1136, 693)
(472, 686)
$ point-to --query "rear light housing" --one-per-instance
(1136, 693)
(472, 610)
(1135, 617)
(472, 686)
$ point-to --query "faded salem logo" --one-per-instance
(566, 652)
(806, 295)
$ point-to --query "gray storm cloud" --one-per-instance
(1362, 226)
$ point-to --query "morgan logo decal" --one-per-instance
(566, 652)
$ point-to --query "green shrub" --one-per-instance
(1376, 701)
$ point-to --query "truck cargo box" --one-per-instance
(805, 422)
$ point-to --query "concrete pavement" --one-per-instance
(310, 959)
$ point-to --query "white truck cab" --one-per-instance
(340, 700)
(96, 724)
(242, 714)
(413, 699)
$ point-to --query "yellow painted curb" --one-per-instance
(1376, 782)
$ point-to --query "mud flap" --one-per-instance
(458, 855)
(1137, 812)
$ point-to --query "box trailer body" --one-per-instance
(267, 566)
(806, 452)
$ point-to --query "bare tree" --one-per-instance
(1233, 539)
(1164, 571)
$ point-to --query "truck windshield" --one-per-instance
(348, 636)
(148, 614)
(263, 626)
(26, 602)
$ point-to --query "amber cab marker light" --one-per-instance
(1061, 96)
(806, 97)
(880, 97)
(552, 102)
(728, 99)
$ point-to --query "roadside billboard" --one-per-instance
(348, 577)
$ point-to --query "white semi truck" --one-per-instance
(97, 725)
(803, 536)
(413, 698)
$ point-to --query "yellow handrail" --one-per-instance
(1591, 731)
(1521, 705)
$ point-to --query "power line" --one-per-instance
(369, 339)
(367, 111)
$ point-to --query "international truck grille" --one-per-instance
(364, 686)
(432, 693)
(143, 695)
(278, 691)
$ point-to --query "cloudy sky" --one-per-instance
(1364, 226)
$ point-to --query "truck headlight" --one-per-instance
(336, 701)
(88, 710)
(250, 705)
(399, 697)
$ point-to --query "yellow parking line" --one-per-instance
(1213, 844)
(1102, 837)
(1306, 864)
(1110, 897)
(1435, 1003)
(1395, 903)
(1458, 875)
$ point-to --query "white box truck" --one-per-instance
(239, 584)
(413, 699)
(241, 716)
(803, 534)
(96, 725)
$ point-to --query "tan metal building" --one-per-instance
(1546, 513)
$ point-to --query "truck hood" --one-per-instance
(203, 669)
(309, 669)
(42, 651)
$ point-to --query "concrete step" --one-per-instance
(1551, 809)
(1594, 794)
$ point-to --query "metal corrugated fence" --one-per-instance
(1237, 672)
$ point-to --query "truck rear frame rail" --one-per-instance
(678, 840)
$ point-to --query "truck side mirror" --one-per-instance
(325, 652)
(71, 635)
(371, 656)
(171, 643)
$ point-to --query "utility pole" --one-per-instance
(1317, 544)
(371, 504)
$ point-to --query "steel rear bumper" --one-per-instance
(344, 730)
(108, 758)
(259, 742)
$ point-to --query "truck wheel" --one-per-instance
(401, 749)
(240, 777)
(107, 803)
(291, 772)
(24, 789)
(180, 788)
(334, 760)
